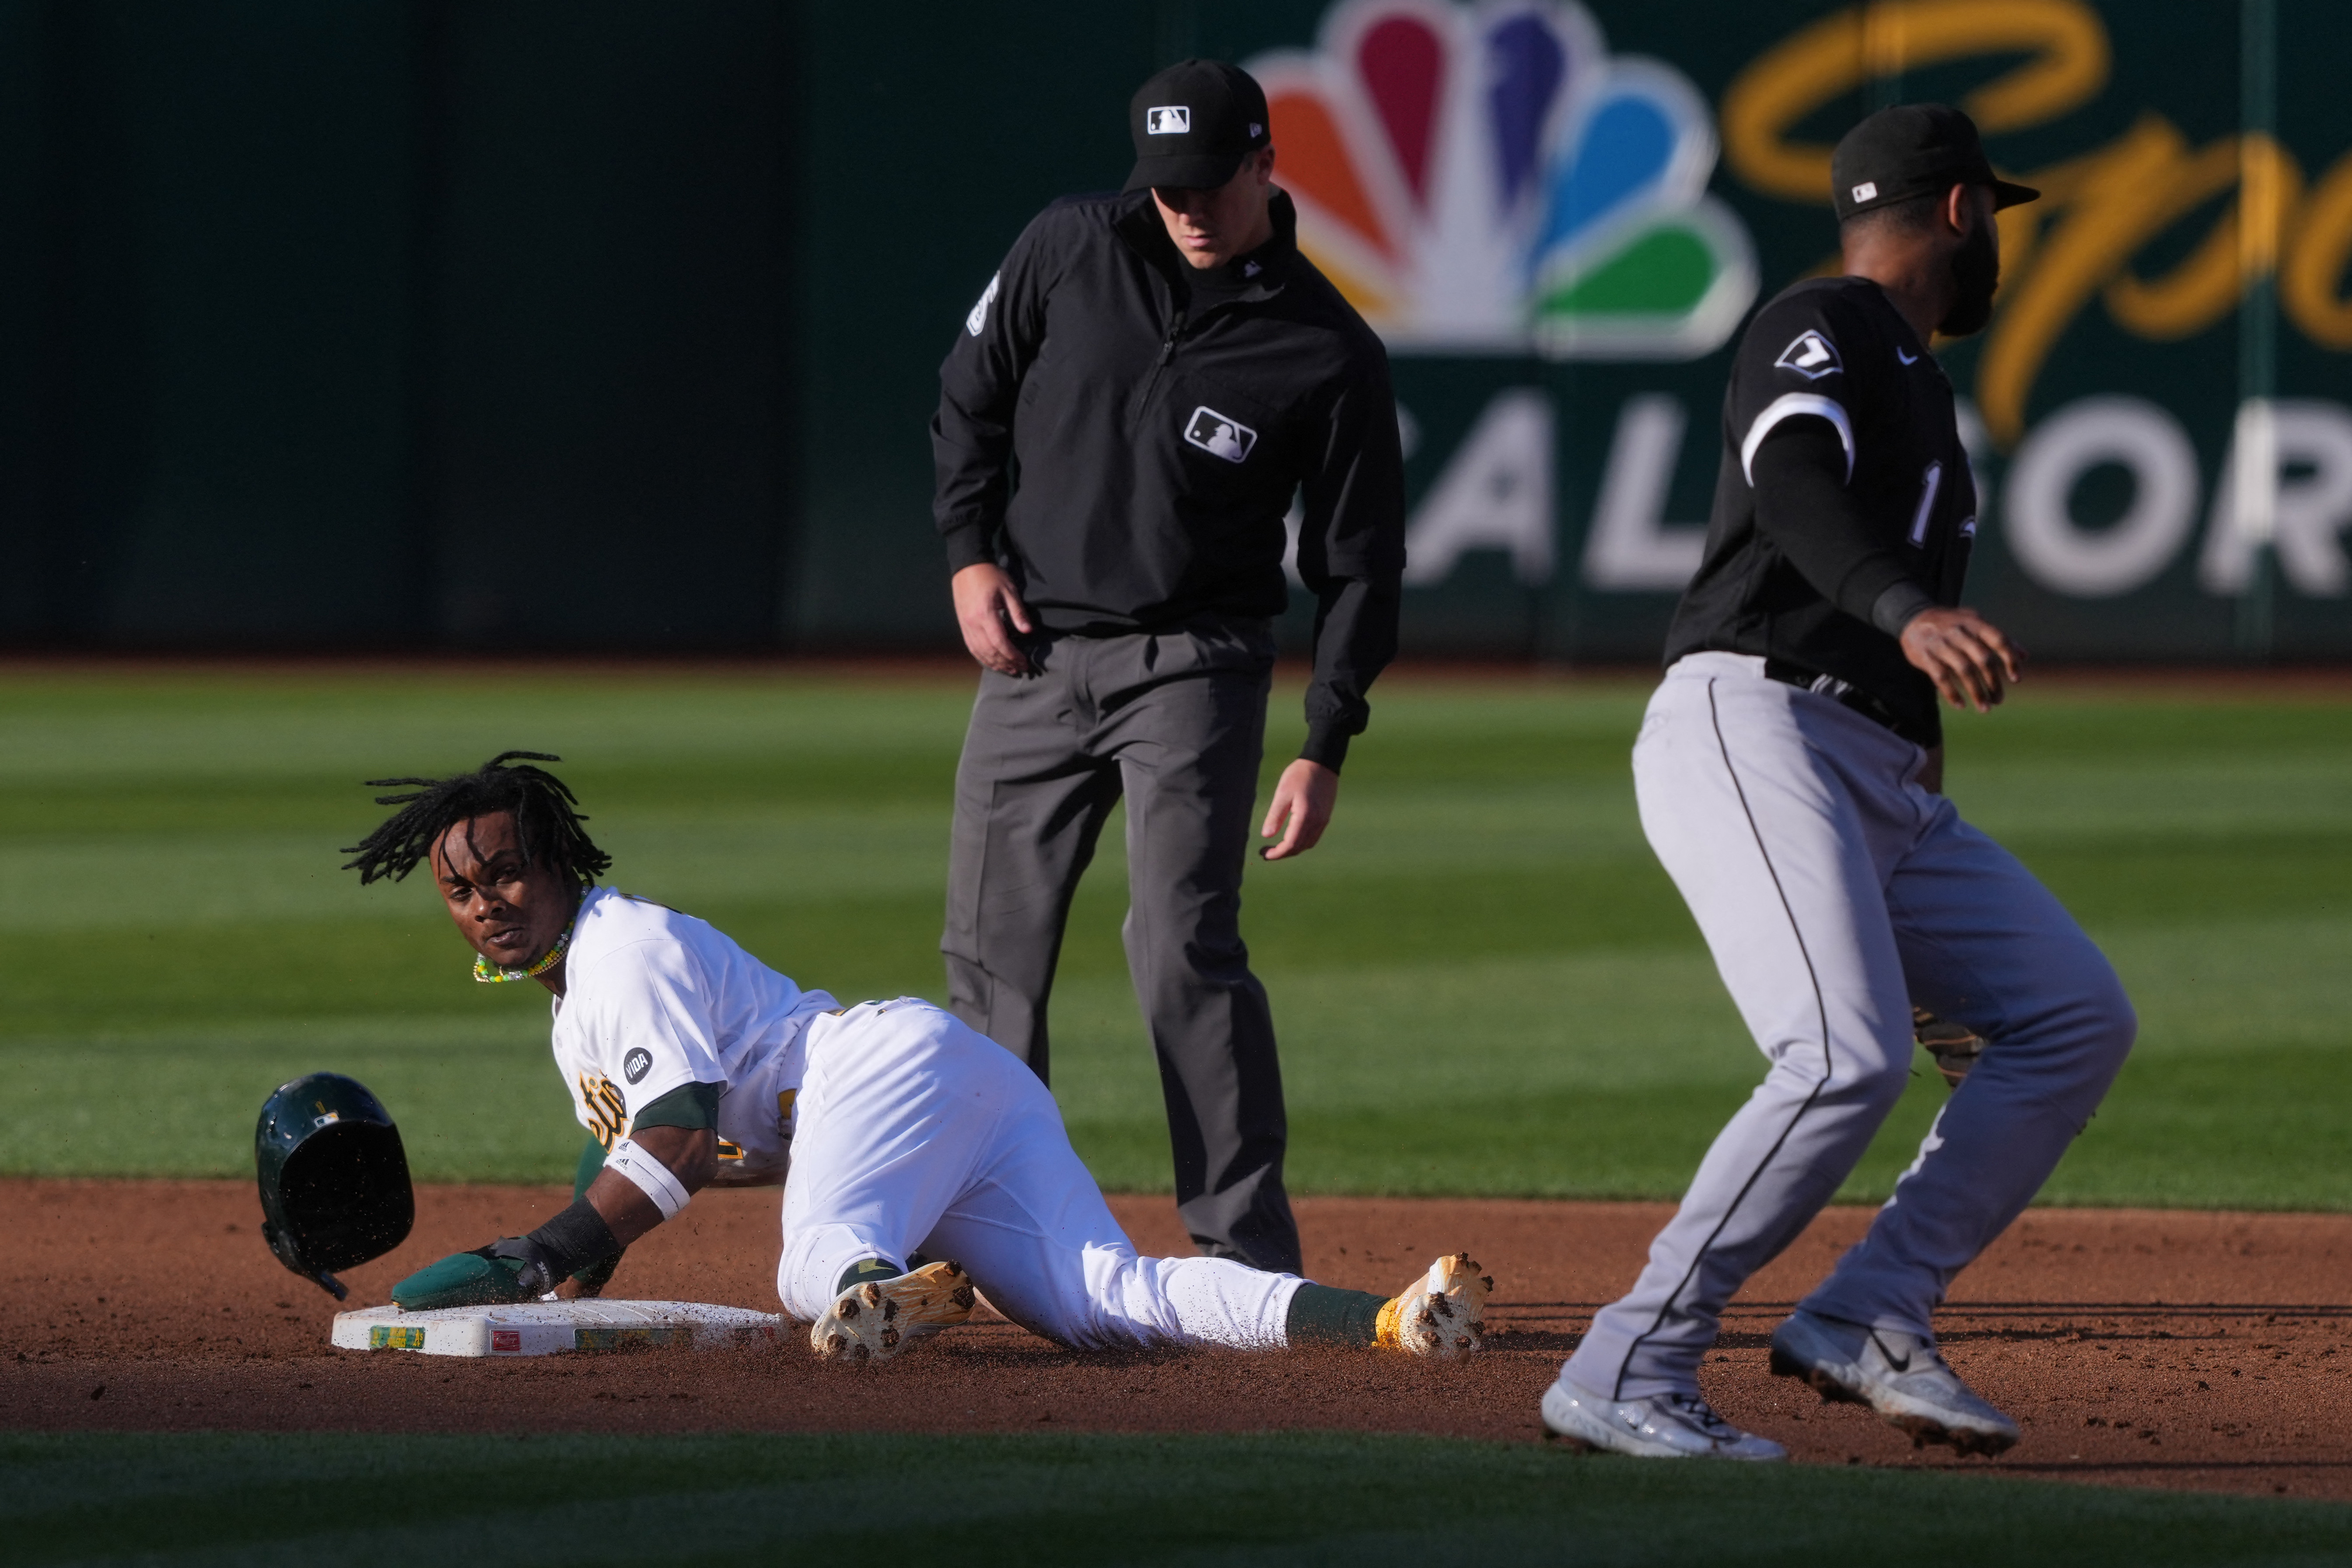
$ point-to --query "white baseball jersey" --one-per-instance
(654, 1000)
(914, 1133)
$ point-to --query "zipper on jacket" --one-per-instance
(1167, 355)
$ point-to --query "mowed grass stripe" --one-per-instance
(195, 1498)
(1483, 981)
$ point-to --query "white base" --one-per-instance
(544, 1328)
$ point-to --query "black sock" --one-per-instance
(1326, 1315)
(863, 1272)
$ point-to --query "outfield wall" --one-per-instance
(611, 326)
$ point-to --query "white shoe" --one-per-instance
(1902, 1376)
(1666, 1426)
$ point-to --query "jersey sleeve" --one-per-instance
(654, 1032)
(1803, 379)
(1800, 360)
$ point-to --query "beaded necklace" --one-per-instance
(487, 975)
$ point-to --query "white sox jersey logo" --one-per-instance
(1810, 355)
(978, 318)
(1170, 120)
(1220, 435)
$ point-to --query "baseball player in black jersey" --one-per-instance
(1788, 772)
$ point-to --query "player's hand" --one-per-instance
(1303, 799)
(464, 1280)
(1972, 662)
(988, 609)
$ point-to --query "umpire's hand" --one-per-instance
(1971, 663)
(985, 602)
(1303, 799)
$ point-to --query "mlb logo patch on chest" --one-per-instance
(1220, 435)
(1810, 355)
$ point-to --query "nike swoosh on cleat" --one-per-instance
(1905, 1364)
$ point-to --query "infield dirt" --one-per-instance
(2186, 1350)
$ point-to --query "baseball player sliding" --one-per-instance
(902, 1131)
(1788, 772)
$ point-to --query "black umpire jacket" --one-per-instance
(1126, 443)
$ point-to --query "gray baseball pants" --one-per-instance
(1174, 721)
(1834, 891)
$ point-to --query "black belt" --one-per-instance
(1846, 695)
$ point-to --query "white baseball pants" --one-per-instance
(1834, 891)
(915, 1133)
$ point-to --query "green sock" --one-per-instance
(871, 1268)
(1325, 1315)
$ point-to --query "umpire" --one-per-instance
(1130, 408)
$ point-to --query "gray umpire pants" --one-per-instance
(1834, 891)
(1175, 721)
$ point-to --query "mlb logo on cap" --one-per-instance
(1913, 150)
(1193, 124)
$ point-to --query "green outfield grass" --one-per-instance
(1483, 983)
(1310, 1498)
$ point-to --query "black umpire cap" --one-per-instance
(1193, 123)
(1913, 150)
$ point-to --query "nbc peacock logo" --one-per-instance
(1487, 179)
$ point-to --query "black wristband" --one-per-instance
(1895, 608)
(560, 1248)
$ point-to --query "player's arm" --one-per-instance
(1809, 373)
(643, 1180)
(670, 1155)
(679, 1128)
(630, 1207)
(1352, 558)
(651, 1022)
(1803, 505)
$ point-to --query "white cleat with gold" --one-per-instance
(876, 1320)
(1440, 1316)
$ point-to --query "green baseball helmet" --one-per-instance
(334, 1179)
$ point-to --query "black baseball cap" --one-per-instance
(1193, 123)
(1913, 150)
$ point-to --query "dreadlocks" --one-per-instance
(546, 826)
